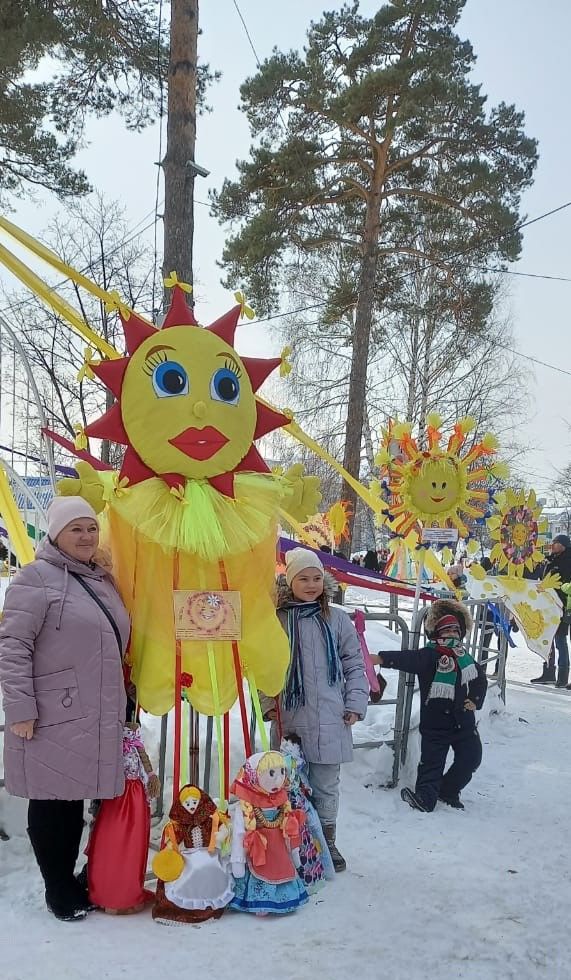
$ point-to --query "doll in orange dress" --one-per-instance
(265, 839)
(119, 842)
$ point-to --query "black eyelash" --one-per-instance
(233, 366)
(159, 357)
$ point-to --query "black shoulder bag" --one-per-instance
(103, 608)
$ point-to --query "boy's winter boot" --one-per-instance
(455, 802)
(547, 677)
(414, 800)
(61, 897)
(562, 677)
(330, 832)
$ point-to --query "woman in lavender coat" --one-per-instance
(63, 633)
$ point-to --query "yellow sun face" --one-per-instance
(520, 535)
(338, 520)
(435, 486)
(187, 404)
(517, 531)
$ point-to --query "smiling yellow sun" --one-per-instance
(185, 405)
(437, 486)
(194, 508)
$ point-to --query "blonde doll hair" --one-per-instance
(189, 792)
(271, 760)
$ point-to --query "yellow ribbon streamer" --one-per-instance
(17, 533)
(255, 699)
(111, 300)
(51, 299)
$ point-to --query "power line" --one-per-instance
(248, 35)
(525, 275)
(536, 360)
(525, 224)
(160, 155)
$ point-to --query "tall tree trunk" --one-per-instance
(425, 380)
(361, 342)
(370, 454)
(181, 139)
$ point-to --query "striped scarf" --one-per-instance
(294, 691)
(452, 660)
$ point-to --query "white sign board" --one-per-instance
(439, 535)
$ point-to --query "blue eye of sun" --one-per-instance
(170, 379)
(225, 386)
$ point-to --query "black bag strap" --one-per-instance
(103, 608)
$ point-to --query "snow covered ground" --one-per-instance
(478, 895)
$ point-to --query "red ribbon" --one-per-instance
(359, 621)
(255, 845)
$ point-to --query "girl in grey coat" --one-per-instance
(63, 632)
(326, 690)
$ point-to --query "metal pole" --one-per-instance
(160, 809)
(30, 376)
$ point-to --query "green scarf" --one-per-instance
(453, 660)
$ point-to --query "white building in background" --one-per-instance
(559, 520)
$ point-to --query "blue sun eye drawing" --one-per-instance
(225, 386)
(170, 380)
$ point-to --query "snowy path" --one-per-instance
(479, 895)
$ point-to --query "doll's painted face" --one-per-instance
(190, 803)
(272, 779)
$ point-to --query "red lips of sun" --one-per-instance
(199, 444)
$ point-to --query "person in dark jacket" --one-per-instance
(558, 563)
(371, 561)
(452, 688)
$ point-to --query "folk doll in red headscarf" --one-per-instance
(194, 880)
(265, 839)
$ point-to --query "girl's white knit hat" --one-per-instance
(297, 559)
(63, 510)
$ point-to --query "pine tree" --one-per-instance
(63, 60)
(377, 123)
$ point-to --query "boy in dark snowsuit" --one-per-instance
(452, 688)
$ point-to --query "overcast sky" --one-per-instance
(522, 51)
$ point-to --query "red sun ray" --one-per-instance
(111, 373)
(225, 326)
(134, 469)
(224, 483)
(136, 331)
(252, 463)
(260, 368)
(180, 314)
(268, 420)
(97, 464)
(173, 480)
(109, 426)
